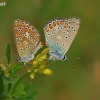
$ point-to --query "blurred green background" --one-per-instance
(64, 84)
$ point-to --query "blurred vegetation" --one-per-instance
(11, 86)
(64, 84)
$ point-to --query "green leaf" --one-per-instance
(27, 87)
(1, 86)
(16, 68)
(20, 80)
(30, 97)
(8, 53)
(7, 79)
(14, 77)
(33, 93)
(18, 83)
(18, 91)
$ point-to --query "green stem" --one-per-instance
(19, 80)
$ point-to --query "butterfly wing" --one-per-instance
(60, 34)
(26, 37)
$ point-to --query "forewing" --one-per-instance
(26, 37)
(60, 33)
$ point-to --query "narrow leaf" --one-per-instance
(7, 79)
(8, 53)
(16, 68)
(1, 85)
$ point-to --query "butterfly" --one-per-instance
(27, 40)
(59, 35)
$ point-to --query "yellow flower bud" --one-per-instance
(45, 51)
(36, 70)
(2, 67)
(6, 74)
(32, 75)
(29, 70)
(38, 56)
(42, 58)
(35, 63)
(42, 66)
(47, 71)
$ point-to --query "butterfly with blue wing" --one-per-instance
(59, 35)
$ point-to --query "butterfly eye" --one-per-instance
(64, 58)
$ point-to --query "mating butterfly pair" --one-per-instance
(59, 35)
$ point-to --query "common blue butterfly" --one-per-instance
(59, 35)
(27, 40)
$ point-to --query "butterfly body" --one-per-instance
(27, 40)
(59, 35)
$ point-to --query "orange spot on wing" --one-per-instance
(16, 24)
(19, 32)
(65, 26)
(37, 37)
(58, 22)
(54, 24)
(20, 24)
(46, 30)
(33, 32)
(26, 29)
(23, 29)
(50, 26)
(29, 31)
(61, 22)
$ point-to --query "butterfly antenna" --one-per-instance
(74, 57)
(71, 64)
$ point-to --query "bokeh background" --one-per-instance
(64, 84)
